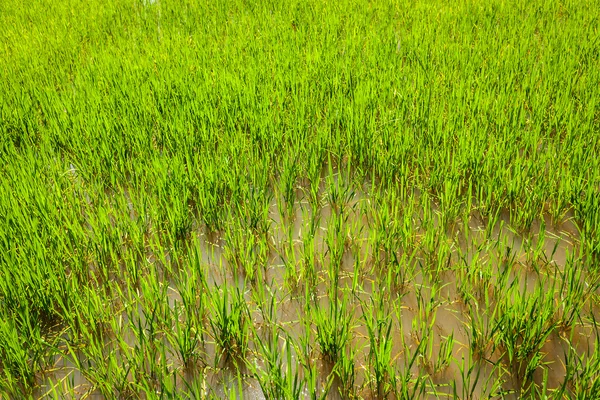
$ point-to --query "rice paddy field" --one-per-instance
(300, 199)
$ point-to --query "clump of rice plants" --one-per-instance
(333, 327)
(229, 323)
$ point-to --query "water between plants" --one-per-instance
(489, 251)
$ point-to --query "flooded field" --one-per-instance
(299, 199)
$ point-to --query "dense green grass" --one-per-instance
(389, 199)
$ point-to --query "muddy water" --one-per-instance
(440, 294)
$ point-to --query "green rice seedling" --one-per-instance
(479, 331)
(153, 300)
(111, 377)
(309, 260)
(434, 243)
(476, 276)
(507, 261)
(246, 251)
(481, 308)
(586, 211)
(475, 381)
(286, 198)
(408, 228)
(332, 326)
(558, 206)
(293, 268)
(522, 325)
(582, 378)
(409, 386)
(102, 365)
(266, 301)
(186, 337)
(210, 196)
(575, 289)
(252, 208)
(278, 378)
(387, 226)
(338, 191)
(195, 388)
(146, 354)
(537, 256)
(442, 258)
(445, 353)
(493, 221)
(337, 233)
(89, 318)
(235, 390)
(378, 322)
(62, 388)
(544, 391)
(400, 272)
(450, 202)
(20, 362)
(312, 374)
(345, 371)
(359, 270)
(466, 215)
(315, 163)
(174, 197)
(315, 385)
(522, 216)
(229, 323)
(157, 379)
(191, 286)
(422, 330)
